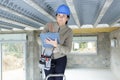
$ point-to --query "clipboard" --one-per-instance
(51, 35)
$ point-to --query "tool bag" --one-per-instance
(45, 61)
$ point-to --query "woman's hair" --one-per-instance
(67, 17)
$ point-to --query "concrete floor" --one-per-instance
(17, 74)
(71, 74)
(89, 74)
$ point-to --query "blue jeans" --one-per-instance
(58, 67)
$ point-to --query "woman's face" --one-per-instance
(61, 19)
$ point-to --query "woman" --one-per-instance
(64, 47)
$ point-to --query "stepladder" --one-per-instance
(50, 75)
(55, 75)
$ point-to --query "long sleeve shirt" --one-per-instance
(66, 36)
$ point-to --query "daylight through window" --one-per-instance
(84, 45)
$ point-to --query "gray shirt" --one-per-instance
(66, 36)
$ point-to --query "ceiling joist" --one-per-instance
(73, 11)
(38, 8)
(18, 14)
(115, 22)
(5, 27)
(103, 11)
(16, 23)
(10, 27)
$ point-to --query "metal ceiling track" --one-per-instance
(73, 11)
(103, 11)
(16, 23)
(38, 8)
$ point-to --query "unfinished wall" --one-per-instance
(101, 60)
(115, 52)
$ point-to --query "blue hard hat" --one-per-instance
(63, 9)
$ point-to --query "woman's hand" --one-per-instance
(52, 42)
